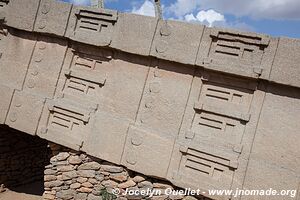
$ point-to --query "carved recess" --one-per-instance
(66, 121)
(92, 26)
(82, 76)
(235, 52)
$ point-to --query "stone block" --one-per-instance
(16, 57)
(25, 112)
(143, 151)
(21, 14)
(52, 17)
(45, 66)
(118, 101)
(134, 33)
(286, 67)
(262, 175)
(177, 41)
(278, 129)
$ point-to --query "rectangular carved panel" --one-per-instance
(89, 61)
(92, 26)
(226, 94)
(207, 165)
(79, 83)
(217, 127)
(67, 121)
(247, 49)
(235, 52)
(83, 77)
(93, 21)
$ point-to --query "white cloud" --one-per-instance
(258, 9)
(147, 8)
(209, 16)
(190, 17)
(213, 18)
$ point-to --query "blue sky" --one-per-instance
(274, 17)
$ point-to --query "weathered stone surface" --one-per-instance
(138, 38)
(85, 190)
(87, 184)
(25, 112)
(89, 166)
(52, 184)
(69, 175)
(109, 183)
(118, 177)
(286, 68)
(75, 185)
(177, 41)
(66, 194)
(86, 173)
(49, 196)
(49, 178)
(80, 196)
(65, 168)
(161, 185)
(145, 184)
(62, 156)
(138, 179)
(74, 160)
(50, 172)
(93, 181)
(81, 180)
(21, 14)
(93, 197)
(111, 169)
(52, 17)
(127, 184)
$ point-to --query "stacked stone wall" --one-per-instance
(75, 175)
